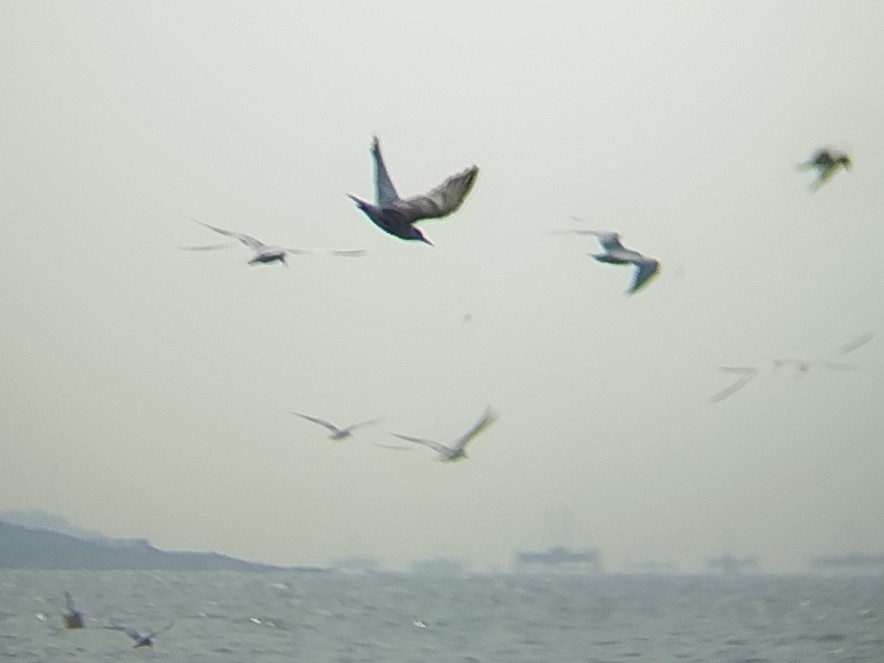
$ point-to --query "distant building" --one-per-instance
(730, 565)
(850, 564)
(438, 567)
(559, 560)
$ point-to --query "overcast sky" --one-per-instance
(147, 390)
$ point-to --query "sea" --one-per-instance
(325, 616)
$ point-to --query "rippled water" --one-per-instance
(324, 616)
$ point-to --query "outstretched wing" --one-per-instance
(487, 418)
(747, 373)
(161, 630)
(441, 201)
(856, 343)
(207, 247)
(435, 446)
(645, 269)
(345, 253)
(352, 427)
(248, 240)
(128, 630)
(321, 422)
(385, 192)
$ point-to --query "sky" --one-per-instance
(147, 391)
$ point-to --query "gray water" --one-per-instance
(323, 616)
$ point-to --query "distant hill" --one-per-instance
(36, 519)
(26, 548)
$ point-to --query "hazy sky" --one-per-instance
(147, 390)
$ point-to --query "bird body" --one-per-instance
(397, 216)
(827, 161)
(73, 618)
(457, 450)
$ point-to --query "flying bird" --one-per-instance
(802, 366)
(140, 640)
(827, 161)
(73, 618)
(397, 216)
(337, 432)
(746, 373)
(265, 253)
(456, 450)
(617, 254)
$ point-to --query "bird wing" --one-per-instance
(363, 423)
(161, 630)
(206, 247)
(385, 192)
(441, 201)
(128, 630)
(488, 417)
(856, 343)
(347, 253)
(645, 269)
(838, 365)
(609, 241)
(248, 240)
(69, 602)
(435, 446)
(748, 373)
(321, 422)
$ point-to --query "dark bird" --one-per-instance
(73, 618)
(397, 216)
(337, 432)
(265, 253)
(827, 161)
(140, 640)
(617, 254)
(456, 450)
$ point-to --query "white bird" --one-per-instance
(73, 618)
(617, 254)
(337, 432)
(456, 450)
(397, 216)
(827, 161)
(140, 640)
(265, 253)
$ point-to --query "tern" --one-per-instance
(456, 450)
(827, 161)
(397, 216)
(617, 254)
(140, 640)
(265, 253)
(73, 618)
(337, 432)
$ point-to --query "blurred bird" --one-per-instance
(397, 216)
(265, 253)
(802, 366)
(140, 640)
(827, 161)
(337, 433)
(616, 254)
(73, 618)
(456, 450)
